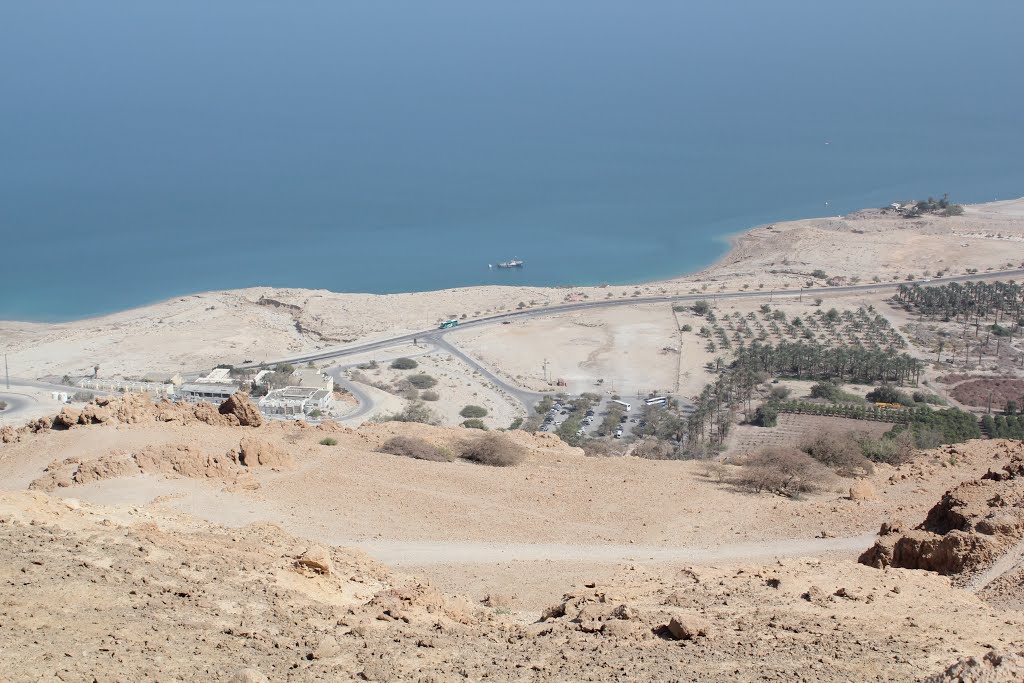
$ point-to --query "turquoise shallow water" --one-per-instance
(155, 149)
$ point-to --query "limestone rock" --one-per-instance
(248, 676)
(316, 558)
(862, 490)
(66, 419)
(994, 667)
(257, 453)
(94, 414)
(242, 407)
(688, 627)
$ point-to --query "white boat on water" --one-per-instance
(511, 264)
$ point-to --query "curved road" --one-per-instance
(435, 334)
(16, 404)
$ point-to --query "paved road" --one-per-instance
(365, 402)
(17, 405)
(528, 399)
(435, 334)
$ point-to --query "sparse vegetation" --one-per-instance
(416, 411)
(328, 441)
(403, 364)
(493, 449)
(472, 411)
(474, 423)
(785, 471)
(415, 447)
(421, 381)
(840, 452)
(430, 396)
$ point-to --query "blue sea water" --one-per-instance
(150, 149)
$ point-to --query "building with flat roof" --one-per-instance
(295, 402)
(196, 392)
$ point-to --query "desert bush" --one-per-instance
(603, 448)
(474, 423)
(891, 450)
(516, 423)
(786, 471)
(496, 450)
(328, 441)
(701, 307)
(3, 405)
(686, 328)
(841, 452)
(414, 447)
(653, 449)
(473, 411)
(430, 396)
(403, 364)
(780, 392)
(421, 381)
(416, 411)
(372, 365)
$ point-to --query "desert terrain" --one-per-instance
(152, 529)
(173, 541)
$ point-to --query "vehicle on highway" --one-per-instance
(448, 323)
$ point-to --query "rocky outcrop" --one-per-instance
(66, 418)
(994, 667)
(687, 627)
(257, 453)
(965, 532)
(316, 559)
(243, 409)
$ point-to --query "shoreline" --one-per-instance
(734, 241)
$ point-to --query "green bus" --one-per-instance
(449, 323)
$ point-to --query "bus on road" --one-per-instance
(449, 323)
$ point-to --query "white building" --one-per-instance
(295, 402)
(197, 392)
(126, 386)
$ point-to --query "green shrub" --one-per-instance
(414, 447)
(403, 364)
(421, 381)
(328, 441)
(701, 307)
(687, 328)
(473, 411)
(474, 423)
(429, 396)
(886, 393)
(516, 423)
(766, 415)
(780, 392)
(495, 450)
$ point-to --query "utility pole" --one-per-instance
(545, 366)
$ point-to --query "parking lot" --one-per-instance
(593, 420)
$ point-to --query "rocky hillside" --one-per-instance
(974, 534)
(129, 594)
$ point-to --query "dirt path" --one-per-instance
(419, 553)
